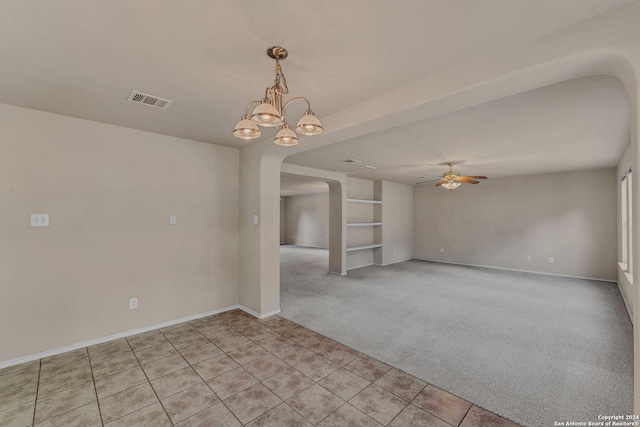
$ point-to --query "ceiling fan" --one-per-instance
(452, 180)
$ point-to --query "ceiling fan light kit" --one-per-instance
(452, 185)
(271, 112)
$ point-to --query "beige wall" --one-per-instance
(307, 220)
(626, 288)
(499, 222)
(259, 243)
(397, 222)
(283, 222)
(109, 192)
(337, 183)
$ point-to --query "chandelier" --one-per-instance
(272, 113)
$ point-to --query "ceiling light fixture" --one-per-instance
(452, 185)
(452, 179)
(271, 112)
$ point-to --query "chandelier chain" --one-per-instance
(284, 89)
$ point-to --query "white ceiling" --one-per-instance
(574, 125)
(82, 59)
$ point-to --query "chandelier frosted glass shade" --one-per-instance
(246, 129)
(266, 115)
(286, 137)
(309, 125)
(271, 110)
(451, 185)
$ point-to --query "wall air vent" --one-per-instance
(149, 100)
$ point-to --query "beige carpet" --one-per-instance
(532, 348)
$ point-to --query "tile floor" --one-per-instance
(225, 370)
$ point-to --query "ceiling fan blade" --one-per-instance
(467, 180)
(474, 177)
(441, 182)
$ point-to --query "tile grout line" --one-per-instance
(194, 370)
(408, 402)
(466, 413)
(328, 415)
(188, 363)
(148, 380)
(434, 415)
(328, 391)
(314, 381)
(237, 327)
(53, 393)
(372, 382)
(242, 367)
(95, 390)
(35, 402)
(203, 380)
(278, 332)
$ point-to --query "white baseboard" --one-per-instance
(515, 269)
(307, 246)
(136, 331)
(258, 315)
(360, 266)
(394, 262)
(384, 265)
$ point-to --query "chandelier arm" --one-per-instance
(284, 109)
(267, 91)
(246, 110)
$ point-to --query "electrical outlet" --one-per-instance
(529, 258)
(441, 250)
(173, 219)
(133, 303)
(551, 259)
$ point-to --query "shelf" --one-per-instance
(371, 202)
(363, 224)
(359, 248)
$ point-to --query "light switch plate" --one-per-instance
(40, 220)
(173, 219)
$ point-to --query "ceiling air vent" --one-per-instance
(351, 161)
(149, 100)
